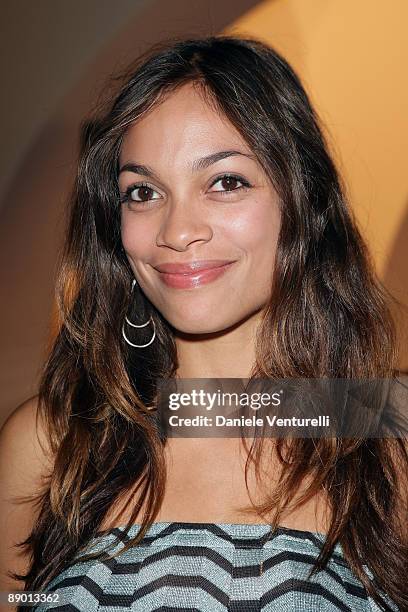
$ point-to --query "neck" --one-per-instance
(229, 353)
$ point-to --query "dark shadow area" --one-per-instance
(32, 210)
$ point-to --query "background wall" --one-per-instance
(352, 58)
(55, 57)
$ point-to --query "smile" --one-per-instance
(193, 275)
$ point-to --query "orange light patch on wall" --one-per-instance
(352, 58)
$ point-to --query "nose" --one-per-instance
(184, 223)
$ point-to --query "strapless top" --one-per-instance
(210, 567)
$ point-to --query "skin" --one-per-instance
(188, 218)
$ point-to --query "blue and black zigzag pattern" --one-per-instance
(207, 567)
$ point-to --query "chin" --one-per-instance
(201, 325)
(197, 329)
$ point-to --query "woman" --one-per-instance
(209, 237)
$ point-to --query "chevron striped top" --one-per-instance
(210, 567)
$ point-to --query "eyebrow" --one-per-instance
(199, 164)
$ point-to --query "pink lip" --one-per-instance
(193, 274)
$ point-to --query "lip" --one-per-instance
(192, 274)
(191, 266)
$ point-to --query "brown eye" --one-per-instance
(140, 193)
(229, 183)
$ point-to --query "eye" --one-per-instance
(229, 182)
(139, 192)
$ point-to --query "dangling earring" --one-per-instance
(150, 320)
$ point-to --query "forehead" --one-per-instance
(181, 125)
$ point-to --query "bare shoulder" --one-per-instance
(25, 460)
(25, 454)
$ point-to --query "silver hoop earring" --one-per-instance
(150, 320)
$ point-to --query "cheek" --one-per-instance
(255, 229)
(136, 238)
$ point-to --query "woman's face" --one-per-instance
(194, 195)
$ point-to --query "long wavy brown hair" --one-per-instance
(329, 316)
